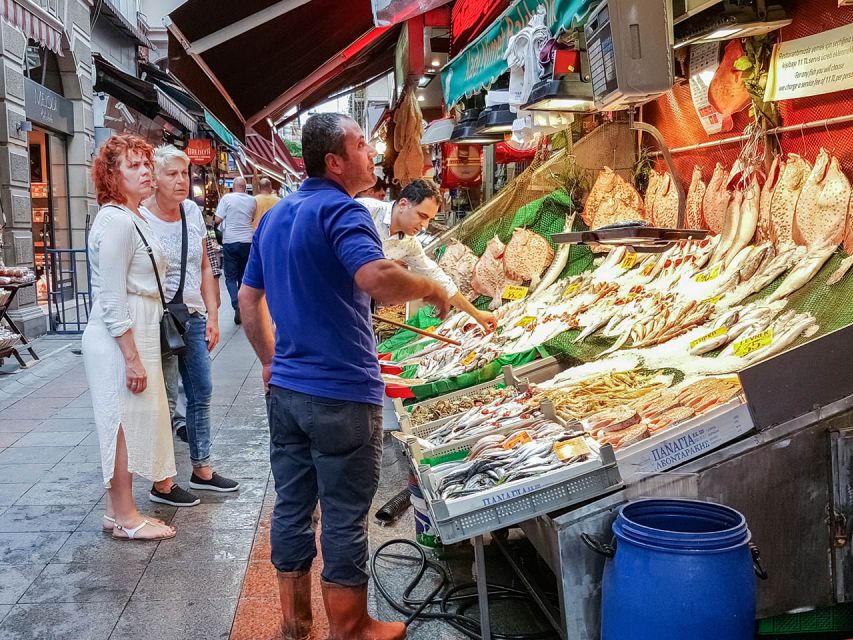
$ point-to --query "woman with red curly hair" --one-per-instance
(121, 344)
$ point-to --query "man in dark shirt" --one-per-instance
(315, 263)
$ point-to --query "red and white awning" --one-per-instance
(32, 26)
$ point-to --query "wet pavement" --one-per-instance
(62, 578)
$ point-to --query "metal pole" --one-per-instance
(489, 171)
(482, 588)
(827, 122)
(652, 131)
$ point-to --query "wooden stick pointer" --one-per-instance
(437, 336)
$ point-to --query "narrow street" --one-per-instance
(62, 578)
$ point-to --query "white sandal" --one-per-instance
(130, 533)
(112, 523)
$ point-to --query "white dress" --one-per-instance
(125, 296)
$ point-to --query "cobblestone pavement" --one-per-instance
(62, 578)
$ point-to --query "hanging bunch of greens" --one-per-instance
(754, 66)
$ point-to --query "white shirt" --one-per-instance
(406, 249)
(237, 211)
(169, 234)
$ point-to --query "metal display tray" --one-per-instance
(515, 502)
(686, 441)
(629, 235)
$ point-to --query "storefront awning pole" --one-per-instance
(175, 31)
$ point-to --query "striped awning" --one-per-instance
(175, 111)
(32, 25)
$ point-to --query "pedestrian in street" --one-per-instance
(179, 225)
(400, 221)
(121, 343)
(264, 201)
(315, 264)
(234, 216)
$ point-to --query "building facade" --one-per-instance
(46, 142)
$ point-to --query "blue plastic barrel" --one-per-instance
(682, 570)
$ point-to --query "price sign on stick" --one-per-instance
(709, 336)
(515, 292)
(707, 276)
(525, 321)
(629, 261)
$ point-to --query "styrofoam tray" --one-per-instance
(686, 441)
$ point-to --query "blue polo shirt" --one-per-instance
(305, 254)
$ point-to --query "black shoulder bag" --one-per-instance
(175, 313)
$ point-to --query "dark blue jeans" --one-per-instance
(235, 256)
(331, 450)
(194, 369)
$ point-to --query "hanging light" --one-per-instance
(496, 119)
(564, 94)
(468, 132)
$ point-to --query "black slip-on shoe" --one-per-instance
(216, 483)
(177, 497)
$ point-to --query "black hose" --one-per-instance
(394, 508)
(414, 609)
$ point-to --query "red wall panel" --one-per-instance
(676, 117)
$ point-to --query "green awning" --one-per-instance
(481, 63)
(219, 129)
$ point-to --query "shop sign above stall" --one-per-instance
(482, 61)
(47, 108)
(811, 66)
(200, 151)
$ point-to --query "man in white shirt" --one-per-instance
(234, 215)
(398, 223)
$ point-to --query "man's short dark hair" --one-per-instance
(321, 135)
(419, 190)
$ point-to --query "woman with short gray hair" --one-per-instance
(172, 218)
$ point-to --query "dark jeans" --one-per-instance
(331, 450)
(194, 369)
(235, 255)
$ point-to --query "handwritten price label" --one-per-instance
(713, 300)
(709, 336)
(569, 449)
(629, 261)
(647, 270)
(522, 437)
(525, 321)
(515, 292)
(469, 359)
(707, 276)
(752, 344)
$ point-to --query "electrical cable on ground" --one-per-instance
(414, 609)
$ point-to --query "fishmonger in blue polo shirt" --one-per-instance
(317, 261)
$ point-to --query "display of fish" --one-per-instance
(527, 256)
(652, 190)
(490, 278)
(613, 200)
(604, 183)
(764, 232)
(822, 208)
(783, 203)
(693, 205)
(747, 220)
(716, 200)
(666, 203)
(804, 271)
(727, 92)
(458, 261)
(561, 258)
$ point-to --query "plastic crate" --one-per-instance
(838, 619)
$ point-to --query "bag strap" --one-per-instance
(179, 294)
(153, 263)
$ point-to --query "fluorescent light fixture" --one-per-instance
(470, 134)
(496, 119)
(424, 81)
(723, 33)
(436, 62)
(561, 95)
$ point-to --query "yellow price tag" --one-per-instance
(647, 270)
(430, 329)
(569, 449)
(571, 290)
(713, 300)
(629, 261)
(525, 321)
(709, 336)
(707, 276)
(469, 358)
(522, 437)
(752, 344)
(515, 292)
